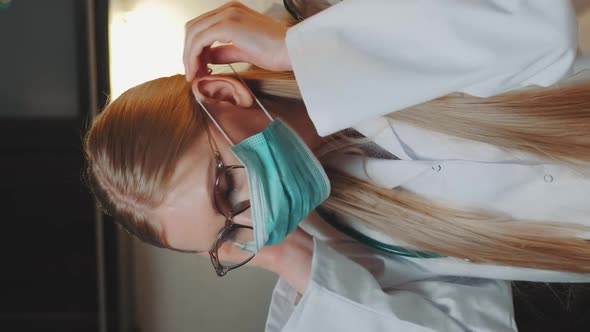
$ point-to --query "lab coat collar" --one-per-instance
(582, 63)
(333, 270)
(581, 70)
(381, 131)
(386, 173)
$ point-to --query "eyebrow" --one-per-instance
(211, 168)
(211, 180)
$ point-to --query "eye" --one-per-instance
(229, 182)
(234, 179)
(235, 186)
(224, 184)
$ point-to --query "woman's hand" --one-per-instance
(255, 38)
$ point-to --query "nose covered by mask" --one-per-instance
(286, 181)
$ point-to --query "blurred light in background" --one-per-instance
(145, 43)
(5, 3)
(146, 37)
(169, 291)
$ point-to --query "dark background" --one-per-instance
(57, 273)
(49, 280)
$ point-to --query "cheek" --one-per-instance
(241, 123)
(244, 218)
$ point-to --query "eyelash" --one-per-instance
(234, 183)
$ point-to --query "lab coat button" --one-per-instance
(436, 168)
(548, 178)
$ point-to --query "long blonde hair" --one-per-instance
(128, 167)
(552, 122)
(132, 149)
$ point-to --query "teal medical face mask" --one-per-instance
(286, 181)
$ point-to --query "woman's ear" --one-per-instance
(216, 88)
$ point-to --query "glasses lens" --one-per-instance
(231, 191)
(237, 247)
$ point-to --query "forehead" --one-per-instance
(187, 216)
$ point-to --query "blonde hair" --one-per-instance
(551, 122)
(132, 149)
(124, 144)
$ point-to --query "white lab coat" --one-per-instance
(361, 59)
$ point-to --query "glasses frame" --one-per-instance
(292, 10)
(229, 225)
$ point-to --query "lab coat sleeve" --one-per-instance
(360, 59)
(344, 296)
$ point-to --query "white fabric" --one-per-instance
(368, 292)
(403, 53)
(413, 51)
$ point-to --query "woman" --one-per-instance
(497, 185)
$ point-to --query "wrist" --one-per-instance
(284, 59)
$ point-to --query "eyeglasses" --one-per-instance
(302, 9)
(233, 240)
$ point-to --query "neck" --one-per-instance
(295, 115)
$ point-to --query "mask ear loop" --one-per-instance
(253, 95)
(251, 92)
(215, 122)
(212, 142)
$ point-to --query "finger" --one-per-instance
(203, 60)
(210, 13)
(190, 37)
(226, 54)
(218, 32)
(196, 26)
(199, 30)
